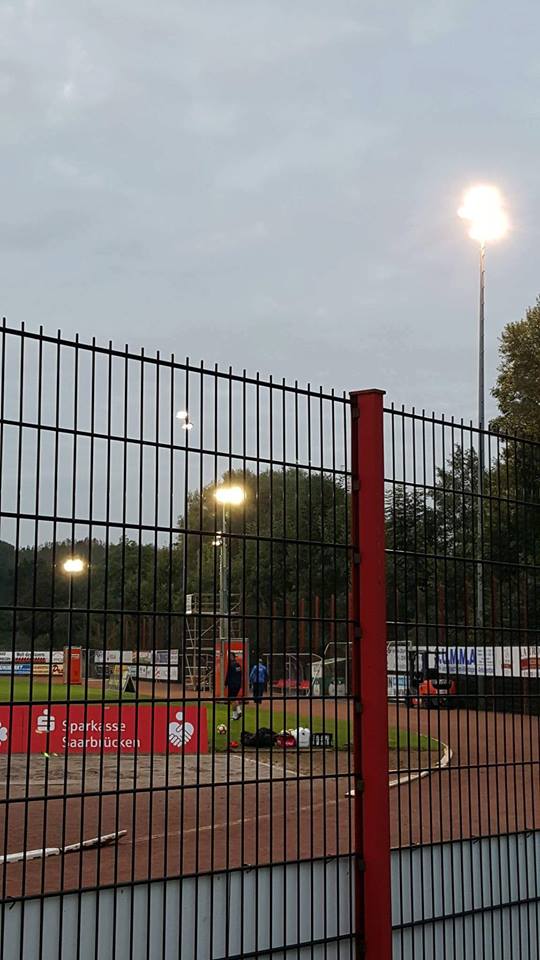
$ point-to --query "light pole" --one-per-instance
(228, 496)
(483, 207)
(73, 567)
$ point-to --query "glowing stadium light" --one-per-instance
(230, 496)
(74, 565)
(484, 208)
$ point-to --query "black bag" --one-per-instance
(248, 739)
(265, 737)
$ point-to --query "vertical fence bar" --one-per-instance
(370, 700)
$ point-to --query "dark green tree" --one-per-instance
(287, 552)
(517, 390)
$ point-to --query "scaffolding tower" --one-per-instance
(203, 624)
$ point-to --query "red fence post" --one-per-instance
(370, 694)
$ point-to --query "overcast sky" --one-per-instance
(272, 184)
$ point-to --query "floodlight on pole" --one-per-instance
(183, 416)
(228, 496)
(74, 565)
(483, 207)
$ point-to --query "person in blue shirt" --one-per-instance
(258, 680)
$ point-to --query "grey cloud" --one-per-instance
(328, 147)
(74, 174)
(42, 232)
(269, 184)
(207, 119)
(430, 20)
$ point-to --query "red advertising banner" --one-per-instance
(103, 728)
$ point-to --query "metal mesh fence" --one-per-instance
(174, 661)
(197, 706)
(462, 524)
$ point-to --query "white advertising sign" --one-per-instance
(470, 661)
(463, 661)
(397, 658)
(397, 685)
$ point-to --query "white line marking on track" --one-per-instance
(420, 774)
(236, 823)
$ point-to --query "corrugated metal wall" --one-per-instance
(472, 899)
(204, 917)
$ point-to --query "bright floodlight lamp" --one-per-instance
(183, 415)
(74, 565)
(230, 496)
(484, 208)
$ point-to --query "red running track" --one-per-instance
(491, 786)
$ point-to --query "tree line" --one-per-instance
(287, 562)
(288, 565)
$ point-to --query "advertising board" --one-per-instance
(520, 661)
(165, 673)
(489, 661)
(397, 685)
(166, 656)
(471, 661)
(397, 658)
(25, 662)
(114, 656)
(103, 728)
(463, 661)
(146, 664)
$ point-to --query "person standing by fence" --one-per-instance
(258, 680)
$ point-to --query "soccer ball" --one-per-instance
(222, 729)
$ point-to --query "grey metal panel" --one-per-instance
(468, 899)
(506, 932)
(466, 875)
(265, 908)
(209, 918)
